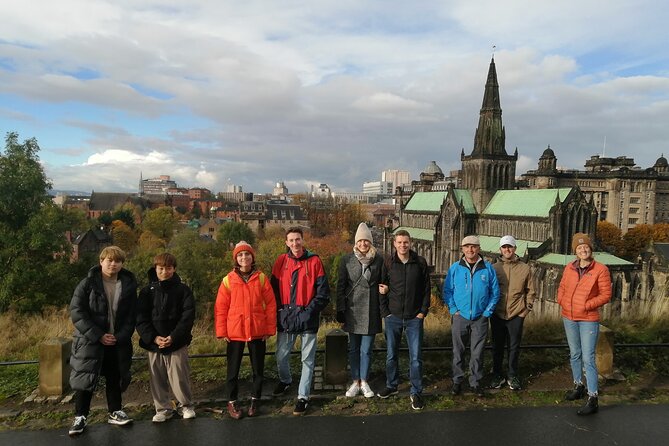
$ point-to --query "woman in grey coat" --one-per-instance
(360, 274)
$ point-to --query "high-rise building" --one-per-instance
(377, 187)
(156, 186)
(395, 176)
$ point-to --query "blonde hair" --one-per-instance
(112, 252)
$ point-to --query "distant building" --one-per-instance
(91, 242)
(377, 187)
(198, 193)
(157, 186)
(280, 190)
(322, 191)
(273, 213)
(624, 194)
(396, 177)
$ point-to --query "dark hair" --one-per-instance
(295, 229)
(165, 259)
(402, 233)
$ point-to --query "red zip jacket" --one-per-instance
(580, 298)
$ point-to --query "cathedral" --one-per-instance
(486, 203)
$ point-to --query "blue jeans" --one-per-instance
(582, 340)
(414, 334)
(360, 355)
(284, 345)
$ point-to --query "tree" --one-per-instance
(232, 232)
(609, 237)
(636, 240)
(160, 222)
(661, 232)
(126, 214)
(34, 252)
(124, 237)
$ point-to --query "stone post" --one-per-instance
(604, 352)
(336, 357)
(54, 366)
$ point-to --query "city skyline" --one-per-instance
(216, 93)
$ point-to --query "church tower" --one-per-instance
(489, 168)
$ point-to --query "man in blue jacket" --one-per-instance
(471, 292)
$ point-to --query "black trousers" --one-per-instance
(235, 351)
(110, 370)
(506, 332)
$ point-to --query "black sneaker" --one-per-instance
(387, 392)
(456, 388)
(478, 391)
(497, 382)
(119, 418)
(300, 407)
(78, 425)
(417, 402)
(281, 388)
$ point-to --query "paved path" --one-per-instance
(634, 425)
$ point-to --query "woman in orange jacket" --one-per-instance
(245, 313)
(584, 288)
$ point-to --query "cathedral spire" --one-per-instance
(490, 136)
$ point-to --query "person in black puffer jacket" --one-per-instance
(103, 313)
(165, 316)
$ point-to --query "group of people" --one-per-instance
(374, 294)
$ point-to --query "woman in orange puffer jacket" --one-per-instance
(245, 313)
(584, 288)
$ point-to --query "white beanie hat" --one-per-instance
(363, 233)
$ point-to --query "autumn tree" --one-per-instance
(160, 222)
(124, 237)
(636, 240)
(609, 237)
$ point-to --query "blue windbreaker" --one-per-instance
(474, 294)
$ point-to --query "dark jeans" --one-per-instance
(394, 326)
(235, 352)
(504, 332)
(82, 398)
(475, 331)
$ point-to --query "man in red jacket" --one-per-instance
(302, 292)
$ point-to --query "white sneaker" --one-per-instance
(187, 413)
(354, 390)
(162, 415)
(366, 390)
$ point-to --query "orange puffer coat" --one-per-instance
(580, 298)
(245, 310)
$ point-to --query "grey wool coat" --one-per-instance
(88, 310)
(358, 298)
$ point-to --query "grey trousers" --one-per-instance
(476, 331)
(171, 371)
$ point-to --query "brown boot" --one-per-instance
(233, 410)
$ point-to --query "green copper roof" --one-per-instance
(602, 257)
(426, 201)
(525, 203)
(491, 244)
(418, 233)
(465, 197)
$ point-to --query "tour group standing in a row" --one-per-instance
(374, 295)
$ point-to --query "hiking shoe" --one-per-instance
(497, 382)
(253, 407)
(78, 425)
(300, 407)
(367, 391)
(576, 394)
(281, 388)
(234, 411)
(417, 402)
(162, 415)
(387, 392)
(354, 390)
(187, 413)
(119, 418)
(456, 388)
(514, 383)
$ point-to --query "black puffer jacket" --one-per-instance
(165, 308)
(89, 313)
(409, 287)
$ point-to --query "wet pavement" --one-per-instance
(644, 425)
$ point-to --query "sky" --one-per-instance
(218, 93)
